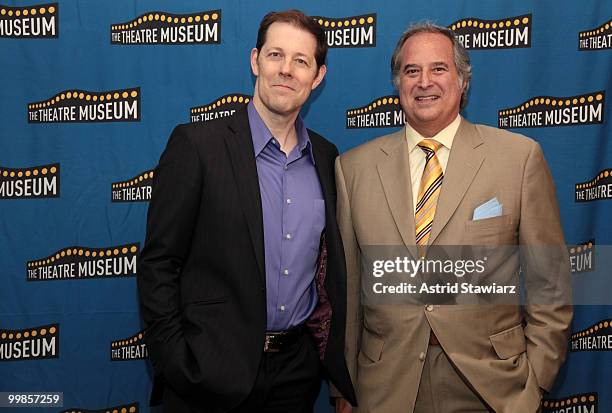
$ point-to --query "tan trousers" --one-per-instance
(443, 390)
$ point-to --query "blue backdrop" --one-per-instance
(90, 90)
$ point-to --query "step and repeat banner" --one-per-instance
(90, 91)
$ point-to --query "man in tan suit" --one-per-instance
(442, 180)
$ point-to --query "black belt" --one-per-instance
(278, 341)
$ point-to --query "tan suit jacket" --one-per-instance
(506, 352)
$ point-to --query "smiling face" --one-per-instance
(429, 85)
(286, 70)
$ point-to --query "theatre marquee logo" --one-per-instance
(597, 337)
(30, 343)
(33, 182)
(219, 108)
(29, 22)
(124, 408)
(344, 32)
(82, 106)
(549, 111)
(132, 348)
(506, 33)
(382, 112)
(582, 257)
(159, 27)
(600, 187)
(79, 263)
(599, 38)
(578, 403)
(136, 189)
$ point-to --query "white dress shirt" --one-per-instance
(417, 156)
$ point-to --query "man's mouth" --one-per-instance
(427, 98)
(284, 86)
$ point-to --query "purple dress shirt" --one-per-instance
(293, 220)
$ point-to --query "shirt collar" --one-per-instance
(261, 134)
(445, 136)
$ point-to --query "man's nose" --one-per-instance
(286, 68)
(424, 79)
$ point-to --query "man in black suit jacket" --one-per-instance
(209, 282)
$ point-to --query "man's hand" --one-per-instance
(343, 406)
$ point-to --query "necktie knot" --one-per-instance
(430, 145)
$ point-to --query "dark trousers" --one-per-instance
(287, 382)
(442, 388)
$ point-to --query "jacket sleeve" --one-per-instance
(545, 265)
(354, 317)
(177, 187)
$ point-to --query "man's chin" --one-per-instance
(284, 108)
(426, 116)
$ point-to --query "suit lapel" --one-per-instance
(242, 154)
(394, 173)
(324, 174)
(319, 321)
(465, 159)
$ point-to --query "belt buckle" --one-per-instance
(267, 348)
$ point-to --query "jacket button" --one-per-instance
(422, 356)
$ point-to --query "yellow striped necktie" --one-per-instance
(429, 191)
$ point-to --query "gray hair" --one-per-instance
(461, 56)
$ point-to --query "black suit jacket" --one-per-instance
(201, 273)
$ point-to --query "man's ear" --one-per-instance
(320, 76)
(254, 63)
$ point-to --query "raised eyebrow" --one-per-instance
(436, 64)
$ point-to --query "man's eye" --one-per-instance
(274, 54)
(411, 72)
(301, 61)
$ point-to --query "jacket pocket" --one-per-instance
(509, 343)
(197, 315)
(207, 301)
(495, 230)
(371, 347)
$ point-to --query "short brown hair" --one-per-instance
(301, 21)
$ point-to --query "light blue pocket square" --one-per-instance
(491, 208)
